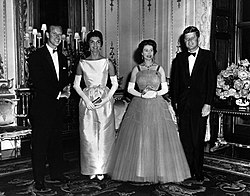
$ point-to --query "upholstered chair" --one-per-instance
(9, 130)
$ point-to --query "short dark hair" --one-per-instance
(52, 26)
(95, 33)
(148, 42)
(192, 29)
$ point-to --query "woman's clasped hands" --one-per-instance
(149, 94)
(89, 104)
(95, 105)
(102, 102)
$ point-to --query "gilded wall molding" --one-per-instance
(7, 47)
(149, 5)
(111, 38)
(4, 57)
(143, 20)
(117, 36)
(172, 30)
(203, 21)
(111, 5)
(21, 19)
(155, 18)
(24, 19)
(105, 25)
(5, 82)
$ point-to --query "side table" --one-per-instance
(221, 142)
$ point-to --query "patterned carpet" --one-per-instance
(222, 177)
(233, 166)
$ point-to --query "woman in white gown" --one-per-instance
(96, 112)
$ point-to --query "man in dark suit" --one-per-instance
(48, 71)
(192, 89)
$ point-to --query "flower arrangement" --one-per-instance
(235, 82)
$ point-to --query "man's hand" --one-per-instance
(65, 92)
(205, 110)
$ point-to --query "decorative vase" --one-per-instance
(242, 103)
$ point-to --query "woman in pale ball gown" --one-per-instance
(148, 148)
(96, 112)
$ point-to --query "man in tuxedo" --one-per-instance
(48, 71)
(192, 89)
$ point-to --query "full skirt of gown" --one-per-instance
(97, 133)
(148, 148)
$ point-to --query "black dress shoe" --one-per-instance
(198, 182)
(200, 178)
(39, 187)
(62, 180)
(189, 180)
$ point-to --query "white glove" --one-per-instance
(164, 89)
(149, 94)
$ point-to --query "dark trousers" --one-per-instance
(192, 130)
(47, 143)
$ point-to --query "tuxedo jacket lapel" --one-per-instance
(61, 67)
(51, 66)
(197, 61)
(186, 64)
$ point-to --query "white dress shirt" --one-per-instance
(54, 56)
(191, 61)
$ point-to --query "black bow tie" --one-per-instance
(55, 50)
(191, 53)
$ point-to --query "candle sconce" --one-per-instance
(27, 52)
(74, 54)
(73, 49)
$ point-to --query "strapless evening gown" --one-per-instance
(148, 148)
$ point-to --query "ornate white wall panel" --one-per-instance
(203, 21)
(123, 22)
(7, 40)
(126, 23)
(131, 21)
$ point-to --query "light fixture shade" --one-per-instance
(83, 29)
(77, 36)
(44, 27)
(69, 31)
(63, 37)
(34, 31)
